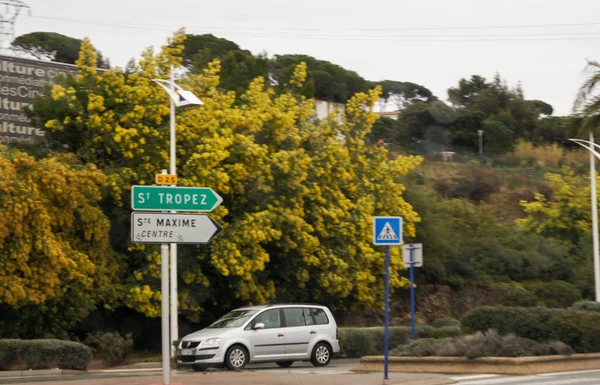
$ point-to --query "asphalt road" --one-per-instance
(588, 377)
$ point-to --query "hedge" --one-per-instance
(577, 328)
(488, 344)
(358, 342)
(586, 305)
(44, 354)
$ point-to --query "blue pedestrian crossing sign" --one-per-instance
(387, 231)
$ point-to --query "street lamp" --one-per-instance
(179, 98)
(593, 154)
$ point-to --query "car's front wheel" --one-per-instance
(284, 364)
(236, 357)
(321, 354)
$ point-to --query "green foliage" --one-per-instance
(532, 323)
(44, 354)
(358, 342)
(586, 305)
(445, 322)
(53, 46)
(424, 127)
(555, 294)
(578, 329)
(588, 100)
(8, 353)
(402, 94)
(238, 67)
(423, 347)
(478, 186)
(488, 344)
(515, 294)
(383, 128)
(325, 80)
(467, 242)
(112, 346)
(502, 113)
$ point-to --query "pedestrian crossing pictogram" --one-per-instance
(387, 233)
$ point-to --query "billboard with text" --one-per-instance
(21, 80)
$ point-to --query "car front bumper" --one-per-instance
(208, 356)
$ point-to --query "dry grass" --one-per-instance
(551, 155)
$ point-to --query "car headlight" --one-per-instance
(210, 342)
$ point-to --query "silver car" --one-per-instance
(270, 333)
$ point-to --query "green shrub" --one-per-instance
(355, 343)
(442, 332)
(358, 342)
(38, 354)
(114, 348)
(489, 344)
(527, 322)
(8, 353)
(73, 355)
(586, 305)
(576, 328)
(514, 294)
(444, 322)
(556, 294)
(44, 354)
(493, 344)
(419, 348)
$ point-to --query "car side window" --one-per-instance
(320, 316)
(270, 318)
(308, 318)
(294, 316)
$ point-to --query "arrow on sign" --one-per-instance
(173, 228)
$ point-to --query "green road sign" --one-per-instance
(166, 198)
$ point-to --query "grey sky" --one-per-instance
(550, 70)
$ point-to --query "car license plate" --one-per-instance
(187, 352)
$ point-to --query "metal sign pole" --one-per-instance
(173, 171)
(412, 295)
(387, 231)
(387, 312)
(164, 271)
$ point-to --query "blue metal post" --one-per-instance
(412, 295)
(387, 313)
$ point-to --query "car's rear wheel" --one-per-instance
(236, 357)
(284, 364)
(321, 354)
(199, 368)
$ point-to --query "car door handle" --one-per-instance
(313, 332)
(280, 335)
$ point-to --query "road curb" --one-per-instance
(39, 373)
(426, 381)
(494, 365)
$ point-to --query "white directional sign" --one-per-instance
(172, 228)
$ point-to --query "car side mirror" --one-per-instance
(259, 325)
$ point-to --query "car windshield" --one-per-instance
(233, 319)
